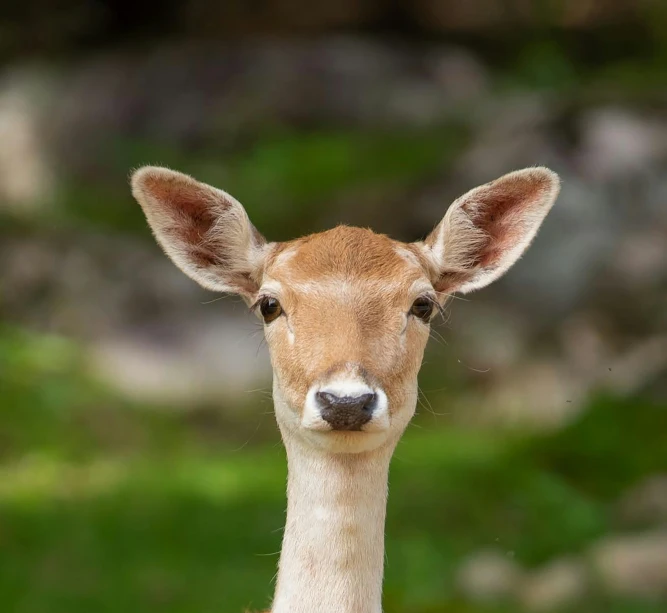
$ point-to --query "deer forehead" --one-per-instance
(346, 264)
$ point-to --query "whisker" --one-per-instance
(448, 314)
(259, 347)
(215, 299)
(268, 555)
(474, 369)
(439, 338)
(455, 297)
(433, 391)
(259, 423)
(429, 406)
(426, 403)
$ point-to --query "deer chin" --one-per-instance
(341, 442)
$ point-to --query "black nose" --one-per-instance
(346, 412)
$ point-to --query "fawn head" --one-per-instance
(346, 312)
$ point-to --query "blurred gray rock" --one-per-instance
(634, 565)
(561, 584)
(618, 142)
(489, 576)
(27, 176)
(206, 93)
(151, 332)
(210, 359)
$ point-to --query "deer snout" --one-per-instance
(346, 412)
(346, 403)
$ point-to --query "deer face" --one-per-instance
(347, 317)
(346, 312)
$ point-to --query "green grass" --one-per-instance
(112, 507)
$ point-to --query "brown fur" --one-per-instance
(352, 315)
(344, 251)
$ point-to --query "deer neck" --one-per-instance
(333, 546)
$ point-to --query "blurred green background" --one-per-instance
(140, 467)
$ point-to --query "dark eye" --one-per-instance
(422, 308)
(270, 309)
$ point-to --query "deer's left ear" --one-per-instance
(485, 231)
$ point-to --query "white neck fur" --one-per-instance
(333, 547)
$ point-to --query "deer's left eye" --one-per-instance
(422, 308)
(270, 309)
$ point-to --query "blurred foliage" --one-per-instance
(550, 64)
(284, 178)
(114, 507)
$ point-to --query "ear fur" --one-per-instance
(204, 231)
(487, 230)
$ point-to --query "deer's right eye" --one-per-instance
(422, 308)
(270, 309)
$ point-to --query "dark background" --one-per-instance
(140, 467)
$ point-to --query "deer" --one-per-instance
(346, 315)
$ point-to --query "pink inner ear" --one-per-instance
(503, 213)
(193, 212)
(188, 205)
(190, 213)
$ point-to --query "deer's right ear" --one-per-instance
(204, 231)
